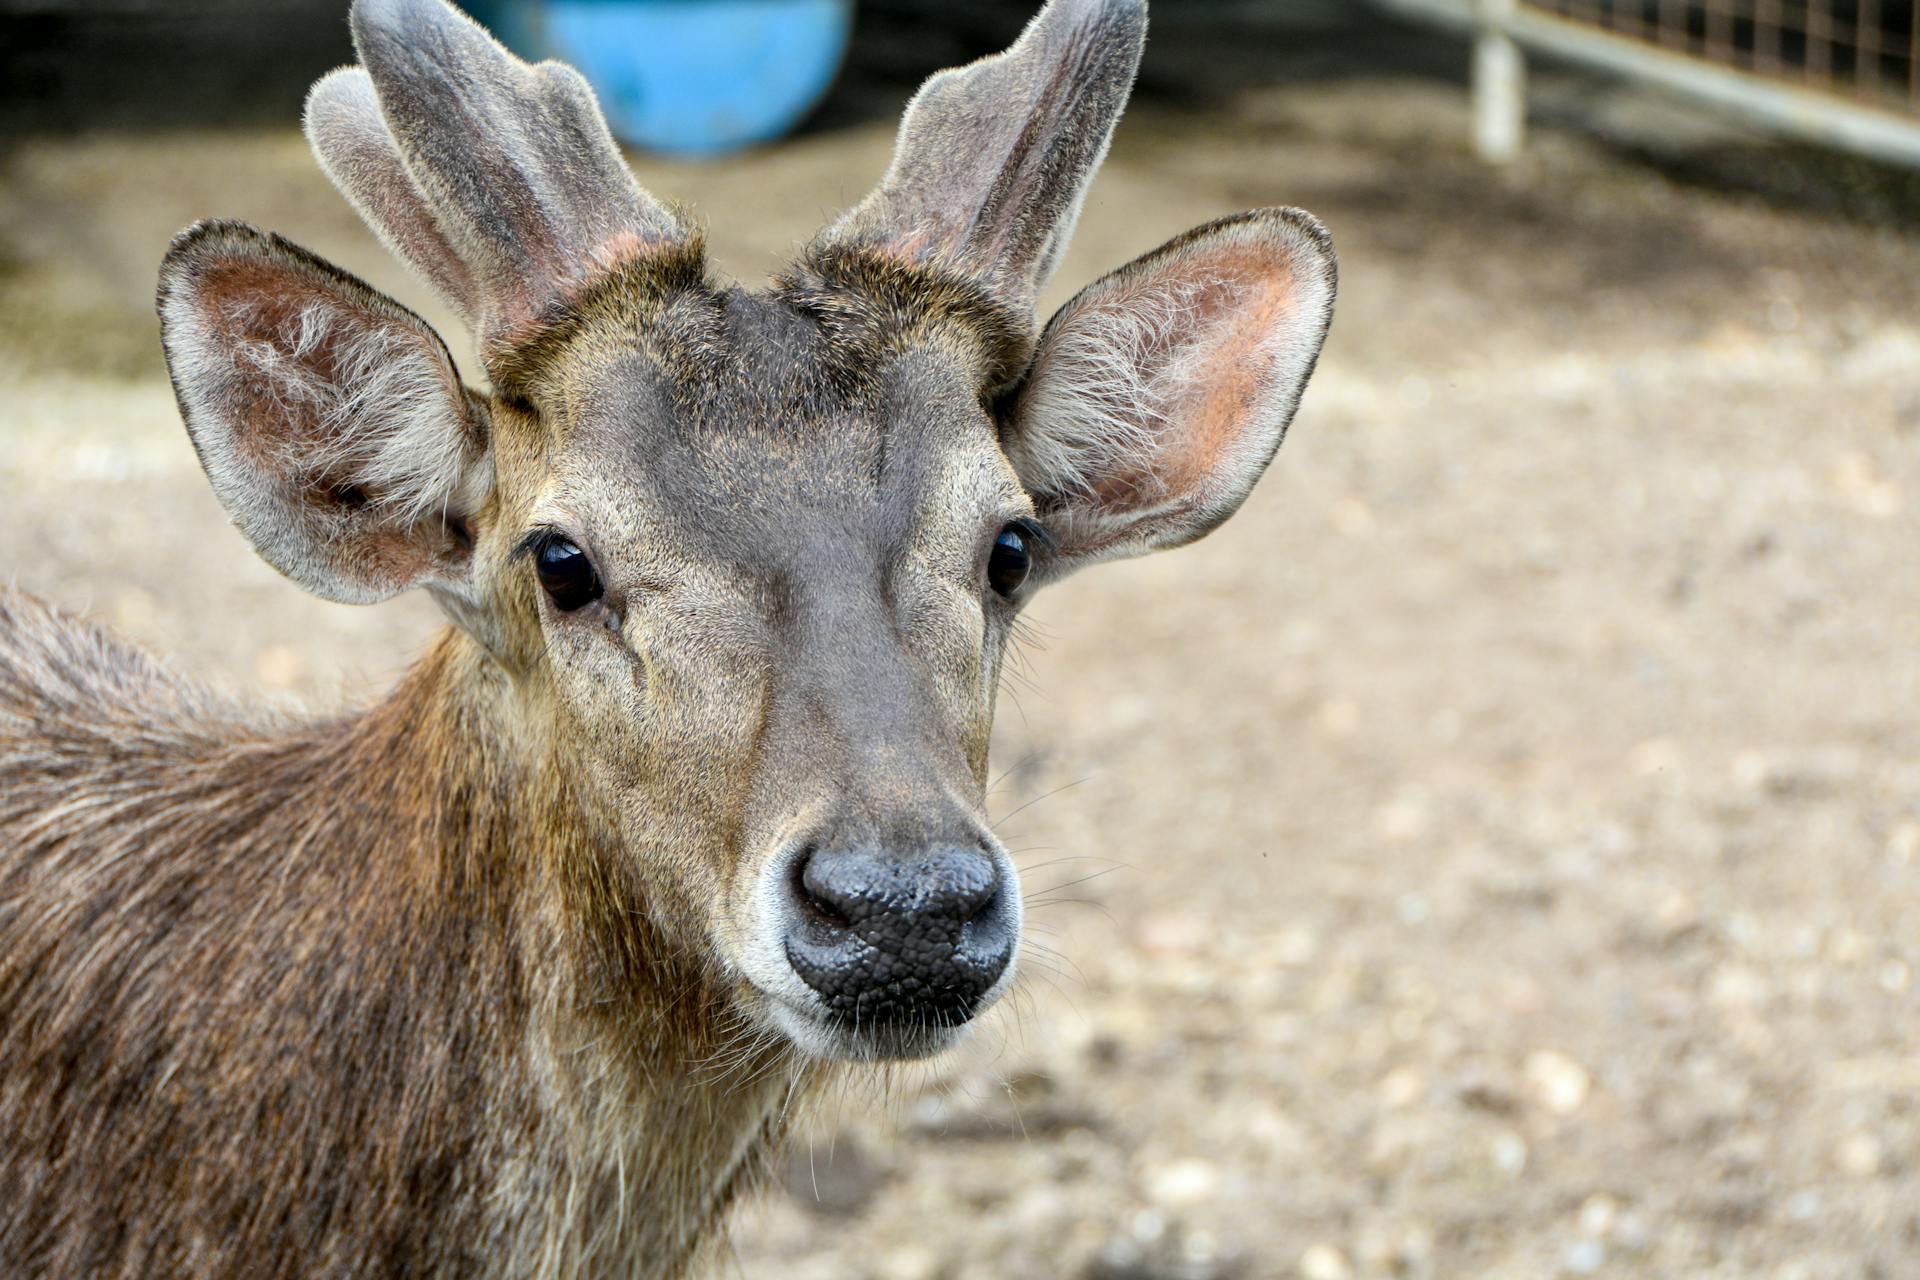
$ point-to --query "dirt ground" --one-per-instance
(1495, 853)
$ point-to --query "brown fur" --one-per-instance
(274, 998)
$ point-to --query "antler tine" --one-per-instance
(350, 138)
(497, 180)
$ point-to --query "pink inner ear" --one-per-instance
(287, 334)
(1238, 316)
(1210, 363)
(255, 311)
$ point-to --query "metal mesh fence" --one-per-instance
(1864, 50)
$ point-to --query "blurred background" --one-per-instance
(1496, 852)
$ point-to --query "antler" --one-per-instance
(495, 180)
(993, 159)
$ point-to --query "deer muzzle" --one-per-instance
(887, 953)
(885, 940)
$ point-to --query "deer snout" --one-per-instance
(885, 939)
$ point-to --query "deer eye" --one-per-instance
(1009, 561)
(565, 574)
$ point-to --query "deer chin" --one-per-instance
(831, 1040)
(783, 1005)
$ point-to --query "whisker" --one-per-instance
(995, 824)
(1044, 894)
(1069, 857)
(1013, 768)
(1034, 904)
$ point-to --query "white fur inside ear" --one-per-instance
(1101, 393)
(386, 413)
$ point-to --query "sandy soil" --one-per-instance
(1495, 853)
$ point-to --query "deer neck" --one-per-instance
(645, 1102)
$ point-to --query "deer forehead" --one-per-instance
(732, 427)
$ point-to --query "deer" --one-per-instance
(526, 968)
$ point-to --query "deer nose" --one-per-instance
(883, 938)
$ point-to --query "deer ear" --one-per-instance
(1158, 395)
(329, 418)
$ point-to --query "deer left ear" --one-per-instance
(329, 418)
(1158, 395)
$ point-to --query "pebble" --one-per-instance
(1485, 1090)
(1583, 1257)
(1119, 1259)
(1896, 976)
(1848, 946)
(1737, 986)
(1859, 1155)
(1805, 774)
(1403, 1250)
(1656, 756)
(1559, 1083)
(278, 666)
(1324, 1262)
(1183, 1184)
(1173, 934)
(1278, 1133)
(1203, 1252)
(1405, 818)
(911, 1262)
(1352, 516)
(1148, 1225)
(1676, 915)
(1510, 1154)
(1743, 930)
(1597, 1215)
(1339, 717)
(1634, 1232)
(1613, 841)
(1903, 843)
(1402, 1087)
(1749, 771)
(135, 610)
(1295, 946)
(1860, 482)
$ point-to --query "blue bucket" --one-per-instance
(688, 77)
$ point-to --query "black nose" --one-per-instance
(886, 938)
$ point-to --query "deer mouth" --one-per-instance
(832, 1038)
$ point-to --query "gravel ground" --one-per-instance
(1495, 853)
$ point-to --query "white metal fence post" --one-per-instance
(1833, 113)
(1499, 85)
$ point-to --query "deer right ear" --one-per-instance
(329, 418)
(1159, 394)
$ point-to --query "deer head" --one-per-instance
(741, 566)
